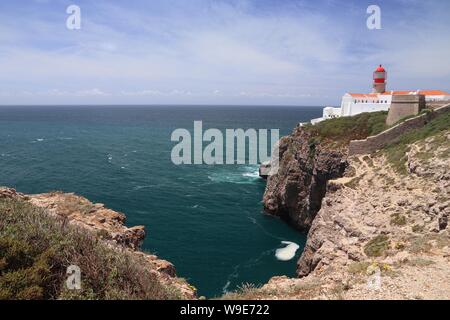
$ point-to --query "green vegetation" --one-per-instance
(426, 242)
(396, 152)
(377, 246)
(359, 267)
(398, 220)
(36, 249)
(306, 289)
(342, 130)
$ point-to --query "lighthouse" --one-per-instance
(380, 100)
(379, 80)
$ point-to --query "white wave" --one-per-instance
(226, 286)
(248, 177)
(288, 252)
(136, 188)
(253, 174)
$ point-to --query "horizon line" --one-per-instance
(159, 105)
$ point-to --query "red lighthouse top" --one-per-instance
(379, 76)
(380, 69)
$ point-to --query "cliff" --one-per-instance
(84, 234)
(377, 223)
(295, 193)
(309, 158)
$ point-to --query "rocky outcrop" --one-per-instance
(377, 200)
(295, 193)
(7, 193)
(107, 225)
(377, 222)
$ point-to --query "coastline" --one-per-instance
(379, 221)
(107, 226)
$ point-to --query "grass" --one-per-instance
(396, 153)
(342, 130)
(377, 246)
(306, 289)
(36, 249)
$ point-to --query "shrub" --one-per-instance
(377, 246)
(36, 249)
(344, 129)
(398, 220)
(358, 267)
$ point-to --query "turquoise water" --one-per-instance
(207, 220)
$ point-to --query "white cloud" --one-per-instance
(216, 54)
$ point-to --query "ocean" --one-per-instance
(206, 219)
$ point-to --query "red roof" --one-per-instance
(424, 92)
(364, 95)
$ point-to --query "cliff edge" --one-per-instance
(377, 225)
(58, 229)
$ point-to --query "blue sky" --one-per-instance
(292, 52)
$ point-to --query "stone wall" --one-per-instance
(437, 104)
(403, 106)
(374, 143)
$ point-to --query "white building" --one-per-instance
(379, 100)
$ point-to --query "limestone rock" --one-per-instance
(295, 193)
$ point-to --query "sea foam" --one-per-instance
(288, 252)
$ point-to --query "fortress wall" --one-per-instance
(403, 106)
(374, 143)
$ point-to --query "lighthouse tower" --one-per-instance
(379, 80)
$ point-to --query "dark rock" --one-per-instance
(443, 222)
(295, 193)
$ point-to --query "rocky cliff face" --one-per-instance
(295, 193)
(375, 221)
(106, 224)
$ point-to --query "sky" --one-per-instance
(237, 52)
